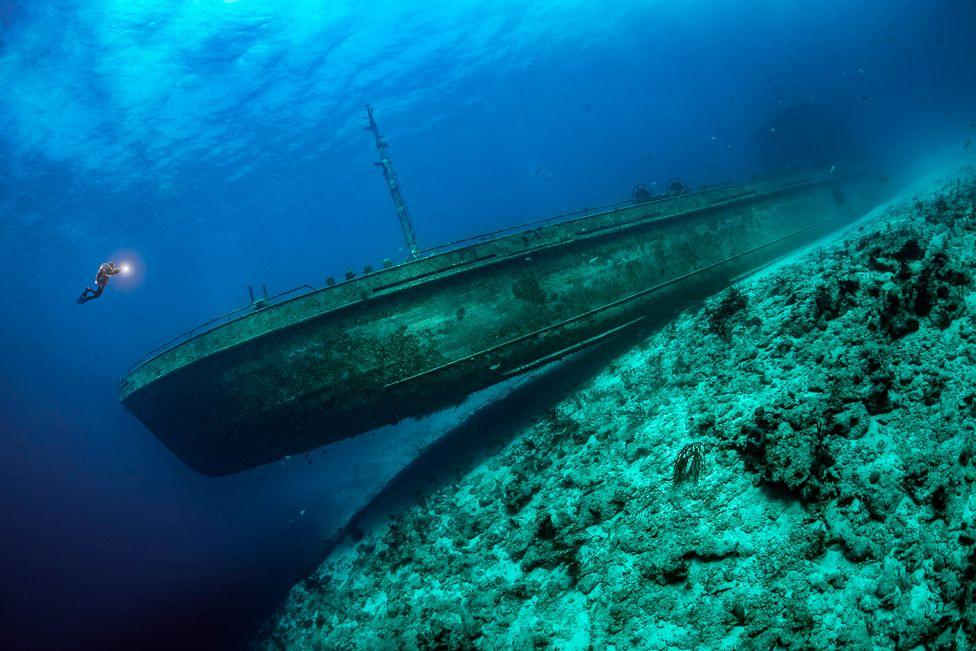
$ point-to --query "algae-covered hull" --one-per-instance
(417, 337)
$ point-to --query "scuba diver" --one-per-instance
(105, 271)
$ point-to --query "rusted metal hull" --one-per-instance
(421, 336)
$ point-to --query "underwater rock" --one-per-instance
(831, 400)
(719, 315)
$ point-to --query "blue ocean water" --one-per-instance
(218, 145)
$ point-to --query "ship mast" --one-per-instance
(393, 184)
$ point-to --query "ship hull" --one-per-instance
(419, 337)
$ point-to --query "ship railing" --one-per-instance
(224, 318)
(567, 216)
(602, 208)
(508, 230)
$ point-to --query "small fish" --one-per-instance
(537, 170)
(772, 130)
(884, 179)
(860, 70)
(301, 513)
(592, 260)
(712, 138)
(731, 100)
(865, 98)
(832, 168)
(968, 143)
(495, 367)
(653, 183)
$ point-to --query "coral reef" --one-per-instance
(833, 401)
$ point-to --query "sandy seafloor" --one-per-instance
(833, 398)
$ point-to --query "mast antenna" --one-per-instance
(393, 185)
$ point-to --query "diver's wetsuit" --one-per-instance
(105, 271)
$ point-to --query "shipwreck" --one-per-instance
(312, 366)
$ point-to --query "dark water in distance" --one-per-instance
(220, 144)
